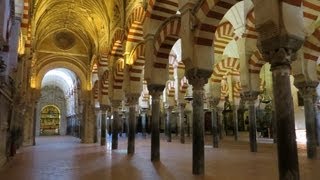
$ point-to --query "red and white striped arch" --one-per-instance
(161, 9)
(25, 25)
(222, 37)
(138, 59)
(183, 85)
(104, 87)
(227, 66)
(116, 55)
(105, 84)
(117, 44)
(311, 9)
(96, 91)
(311, 47)
(118, 74)
(236, 89)
(251, 31)
(210, 14)
(103, 61)
(134, 27)
(170, 89)
(165, 39)
(224, 90)
(256, 62)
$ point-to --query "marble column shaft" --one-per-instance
(198, 130)
(235, 122)
(286, 138)
(132, 124)
(115, 128)
(308, 91)
(155, 132)
(182, 123)
(169, 119)
(215, 135)
(251, 97)
(103, 128)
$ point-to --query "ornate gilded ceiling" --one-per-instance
(87, 20)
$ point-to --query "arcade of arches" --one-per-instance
(95, 69)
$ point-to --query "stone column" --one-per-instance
(103, 126)
(251, 97)
(144, 121)
(88, 122)
(169, 119)
(115, 124)
(182, 122)
(198, 78)
(155, 91)
(235, 121)
(308, 90)
(132, 101)
(215, 136)
(286, 137)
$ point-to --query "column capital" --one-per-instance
(155, 90)
(250, 95)
(280, 50)
(198, 77)
(307, 88)
(132, 99)
(214, 101)
(104, 107)
(116, 103)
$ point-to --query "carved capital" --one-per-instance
(198, 77)
(104, 107)
(155, 90)
(307, 89)
(250, 96)
(132, 99)
(275, 43)
(281, 57)
(116, 103)
(214, 102)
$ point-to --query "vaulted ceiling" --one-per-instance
(70, 21)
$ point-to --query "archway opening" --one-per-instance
(58, 109)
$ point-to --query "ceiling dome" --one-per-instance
(64, 40)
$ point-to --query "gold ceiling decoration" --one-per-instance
(64, 40)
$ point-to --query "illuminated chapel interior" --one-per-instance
(190, 82)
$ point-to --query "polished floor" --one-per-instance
(64, 158)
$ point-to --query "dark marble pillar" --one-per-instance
(115, 126)
(286, 137)
(235, 122)
(155, 91)
(169, 119)
(308, 90)
(215, 135)
(251, 97)
(103, 126)
(144, 121)
(198, 78)
(132, 101)
(182, 122)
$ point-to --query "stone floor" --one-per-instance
(59, 158)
